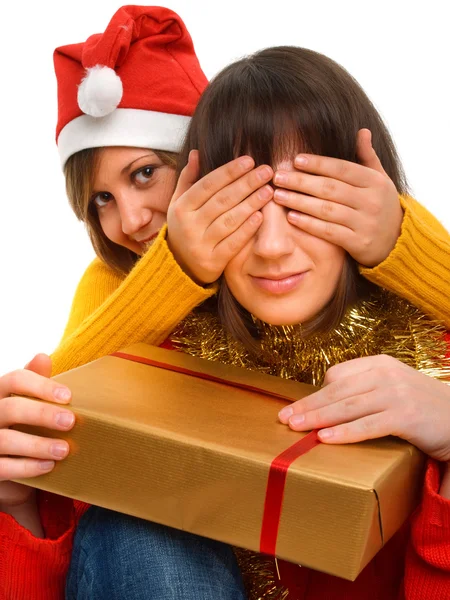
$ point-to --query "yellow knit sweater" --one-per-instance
(110, 312)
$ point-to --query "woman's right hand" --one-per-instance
(210, 220)
(23, 455)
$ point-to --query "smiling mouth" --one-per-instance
(149, 239)
(281, 285)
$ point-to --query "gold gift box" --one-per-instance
(195, 454)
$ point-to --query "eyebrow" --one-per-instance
(127, 169)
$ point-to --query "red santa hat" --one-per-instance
(137, 84)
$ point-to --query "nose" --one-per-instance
(134, 214)
(273, 239)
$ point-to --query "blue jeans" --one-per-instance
(117, 557)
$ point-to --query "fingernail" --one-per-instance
(281, 195)
(264, 173)
(296, 420)
(65, 419)
(325, 434)
(265, 192)
(294, 217)
(63, 394)
(59, 450)
(301, 161)
(246, 162)
(255, 219)
(46, 465)
(285, 413)
(280, 177)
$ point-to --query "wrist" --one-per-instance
(27, 515)
(444, 490)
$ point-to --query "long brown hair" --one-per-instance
(80, 170)
(272, 105)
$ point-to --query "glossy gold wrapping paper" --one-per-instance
(195, 455)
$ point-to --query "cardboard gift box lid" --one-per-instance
(195, 453)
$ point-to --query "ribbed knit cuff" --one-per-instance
(418, 267)
(32, 568)
(430, 532)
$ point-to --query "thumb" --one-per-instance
(365, 152)
(188, 176)
(40, 364)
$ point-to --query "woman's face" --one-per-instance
(284, 276)
(132, 190)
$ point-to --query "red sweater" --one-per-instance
(414, 565)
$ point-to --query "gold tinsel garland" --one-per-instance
(383, 324)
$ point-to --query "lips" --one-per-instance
(149, 239)
(279, 284)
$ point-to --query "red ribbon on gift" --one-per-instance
(276, 481)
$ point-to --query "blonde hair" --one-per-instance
(80, 170)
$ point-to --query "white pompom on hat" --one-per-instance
(100, 92)
(137, 84)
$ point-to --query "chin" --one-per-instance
(280, 317)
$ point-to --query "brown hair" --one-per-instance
(271, 105)
(80, 170)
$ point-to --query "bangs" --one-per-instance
(282, 101)
(270, 113)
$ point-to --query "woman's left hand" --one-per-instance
(372, 397)
(355, 206)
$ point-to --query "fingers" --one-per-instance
(362, 365)
(27, 383)
(232, 244)
(233, 219)
(188, 176)
(40, 364)
(366, 153)
(317, 207)
(22, 468)
(346, 411)
(316, 407)
(370, 427)
(356, 408)
(334, 168)
(334, 233)
(15, 410)
(17, 443)
(326, 188)
(346, 380)
(214, 182)
(232, 195)
(362, 399)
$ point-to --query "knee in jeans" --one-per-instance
(117, 553)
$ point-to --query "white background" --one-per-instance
(398, 50)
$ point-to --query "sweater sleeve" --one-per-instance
(96, 285)
(34, 568)
(418, 268)
(427, 570)
(108, 313)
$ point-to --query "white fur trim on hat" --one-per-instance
(100, 92)
(123, 127)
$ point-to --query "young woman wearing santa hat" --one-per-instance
(136, 290)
